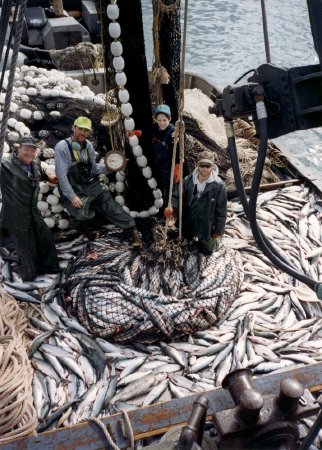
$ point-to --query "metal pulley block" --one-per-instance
(191, 436)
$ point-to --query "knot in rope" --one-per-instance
(160, 75)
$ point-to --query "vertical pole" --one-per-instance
(181, 107)
(265, 30)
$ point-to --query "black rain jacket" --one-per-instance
(203, 213)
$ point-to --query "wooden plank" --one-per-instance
(155, 419)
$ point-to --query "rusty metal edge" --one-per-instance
(157, 418)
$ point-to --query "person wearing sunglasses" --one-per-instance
(204, 204)
(20, 219)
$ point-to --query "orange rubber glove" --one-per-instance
(137, 133)
(52, 179)
(168, 212)
(177, 173)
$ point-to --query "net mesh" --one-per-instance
(160, 292)
(84, 55)
(170, 45)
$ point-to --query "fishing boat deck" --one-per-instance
(303, 148)
(156, 419)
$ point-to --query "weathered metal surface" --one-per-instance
(227, 423)
(155, 419)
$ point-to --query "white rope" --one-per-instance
(107, 435)
(18, 416)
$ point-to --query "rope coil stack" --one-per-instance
(18, 417)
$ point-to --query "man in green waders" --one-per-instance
(20, 218)
(81, 191)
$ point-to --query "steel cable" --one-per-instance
(5, 13)
(11, 34)
(15, 51)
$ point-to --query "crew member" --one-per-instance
(162, 141)
(204, 204)
(81, 191)
(20, 218)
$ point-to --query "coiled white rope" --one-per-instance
(18, 416)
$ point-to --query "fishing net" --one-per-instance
(197, 141)
(247, 163)
(84, 55)
(247, 131)
(161, 292)
(167, 45)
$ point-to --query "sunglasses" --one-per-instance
(205, 165)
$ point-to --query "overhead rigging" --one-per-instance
(17, 34)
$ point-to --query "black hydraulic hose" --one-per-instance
(4, 21)
(239, 183)
(235, 165)
(263, 138)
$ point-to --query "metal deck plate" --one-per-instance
(157, 419)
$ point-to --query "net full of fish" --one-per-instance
(160, 292)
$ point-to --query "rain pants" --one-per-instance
(95, 197)
(21, 219)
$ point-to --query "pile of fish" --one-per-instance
(272, 324)
(163, 291)
(68, 244)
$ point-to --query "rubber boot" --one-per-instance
(136, 238)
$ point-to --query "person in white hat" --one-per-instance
(204, 204)
(82, 194)
(20, 219)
